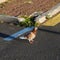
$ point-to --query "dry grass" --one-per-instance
(54, 21)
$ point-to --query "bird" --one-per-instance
(30, 36)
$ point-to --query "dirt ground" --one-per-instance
(22, 7)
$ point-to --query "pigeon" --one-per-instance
(30, 36)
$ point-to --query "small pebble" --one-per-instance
(1, 21)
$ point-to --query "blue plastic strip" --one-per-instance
(17, 34)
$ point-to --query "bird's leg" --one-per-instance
(31, 41)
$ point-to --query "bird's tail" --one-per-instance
(22, 37)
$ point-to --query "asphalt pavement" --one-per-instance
(45, 47)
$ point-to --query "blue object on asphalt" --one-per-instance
(17, 34)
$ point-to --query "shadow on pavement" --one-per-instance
(49, 31)
(5, 35)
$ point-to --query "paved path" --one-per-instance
(45, 47)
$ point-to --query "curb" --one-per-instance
(42, 18)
